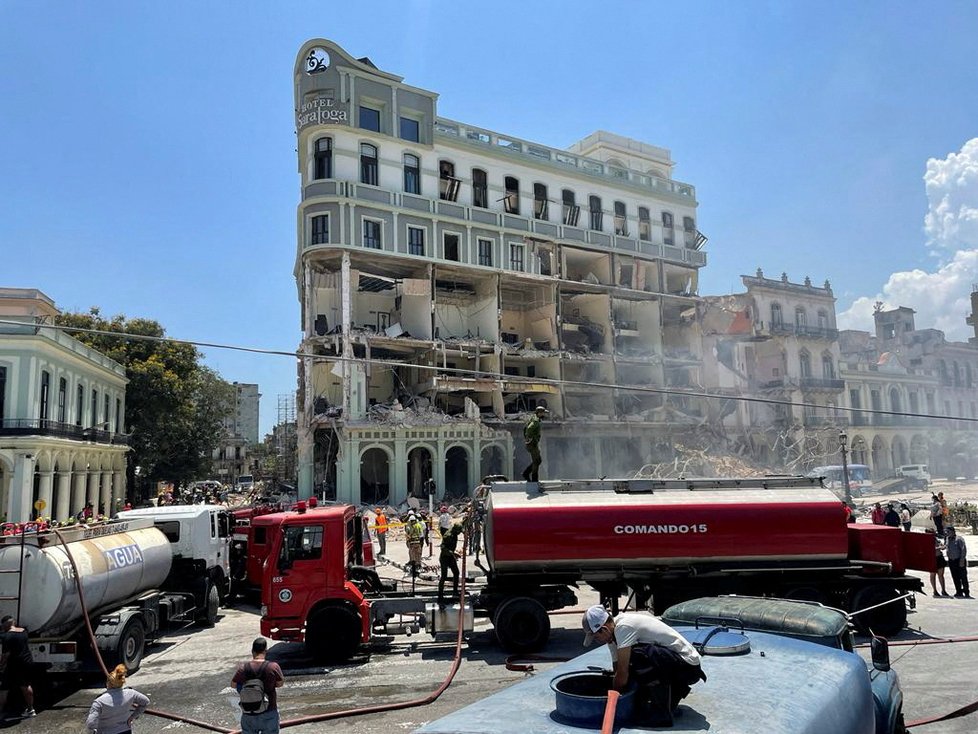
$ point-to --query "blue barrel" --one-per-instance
(583, 696)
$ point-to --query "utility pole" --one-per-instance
(843, 441)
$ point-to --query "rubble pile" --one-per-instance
(693, 461)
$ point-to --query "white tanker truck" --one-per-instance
(135, 587)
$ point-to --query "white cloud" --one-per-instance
(940, 298)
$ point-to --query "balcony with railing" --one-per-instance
(825, 421)
(821, 383)
(784, 328)
(40, 427)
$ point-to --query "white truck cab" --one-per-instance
(914, 471)
(200, 538)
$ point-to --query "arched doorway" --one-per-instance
(375, 476)
(898, 452)
(420, 469)
(881, 467)
(858, 454)
(492, 461)
(919, 453)
(457, 472)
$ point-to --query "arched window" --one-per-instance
(805, 365)
(895, 405)
(323, 159)
(368, 164)
(621, 223)
(541, 207)
(412, 174)
(594, 205)
(644, 224)
(448, 185)
(776, 318)
(512, 199)
(828, 367)
(801, 318)
(571, 210)
(480, 188)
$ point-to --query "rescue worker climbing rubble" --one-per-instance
(531, 437)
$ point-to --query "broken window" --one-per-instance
(540, 203)
(594, 204)
(412, 174)
(368, 164)
(323, 159)
(320, 229)
(512, 197)
(571, 210)
(485, 252)
(448, 185)
(480, 188)
(621, 223)
(545, 257)
(667, 235)
(644, 224)
(415, 240)
(516, 257)
(451, 246)
(372, 234)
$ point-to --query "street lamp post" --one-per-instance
(843, 440)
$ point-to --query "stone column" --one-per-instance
(93, 477)
(21, 489)
(78, 494)
(45, 494)
(105, 495)
(63, 497)
(118, 490)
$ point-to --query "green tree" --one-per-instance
(174, 404)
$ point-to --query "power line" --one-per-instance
(483, 374)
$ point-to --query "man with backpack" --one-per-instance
(257, 681)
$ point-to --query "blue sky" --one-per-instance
(147, 159)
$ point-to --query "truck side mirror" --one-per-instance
(284, 563)
(881, 654)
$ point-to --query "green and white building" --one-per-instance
(62, 416)
(452, 278)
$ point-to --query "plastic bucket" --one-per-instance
(582, 697)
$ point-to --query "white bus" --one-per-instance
(860, 480)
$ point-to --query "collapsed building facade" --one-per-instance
(452, 279)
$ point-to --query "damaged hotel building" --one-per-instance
(452, 278)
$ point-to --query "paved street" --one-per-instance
(190, 672)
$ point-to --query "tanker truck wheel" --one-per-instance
(212, 604)
(522, 625)
(333, 634)
(132, 645)
(886, 620)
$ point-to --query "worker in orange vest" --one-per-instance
(380, 527)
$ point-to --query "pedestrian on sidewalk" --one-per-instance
(937, 515)
(878, 514)
(17, 664)
(957, 560)
(115, 710)
(940, 565)
(257, 681)
(905, 516)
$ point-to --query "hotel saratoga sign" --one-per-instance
(320, 111)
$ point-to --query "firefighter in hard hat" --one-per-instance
(414, 535)
(531, 437)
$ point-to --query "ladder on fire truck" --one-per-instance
(20, 538)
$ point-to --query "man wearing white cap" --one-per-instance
(646, 651)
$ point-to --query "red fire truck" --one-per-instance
(659, 541)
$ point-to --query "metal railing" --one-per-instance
(43, 427)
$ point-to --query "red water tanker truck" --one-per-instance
(658, 541)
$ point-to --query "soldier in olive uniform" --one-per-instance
(531, 436)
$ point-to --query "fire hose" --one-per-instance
(314, 718)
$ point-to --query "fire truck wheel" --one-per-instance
(522, 625)
(886, 620)
(333, 634)
(132, 644)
